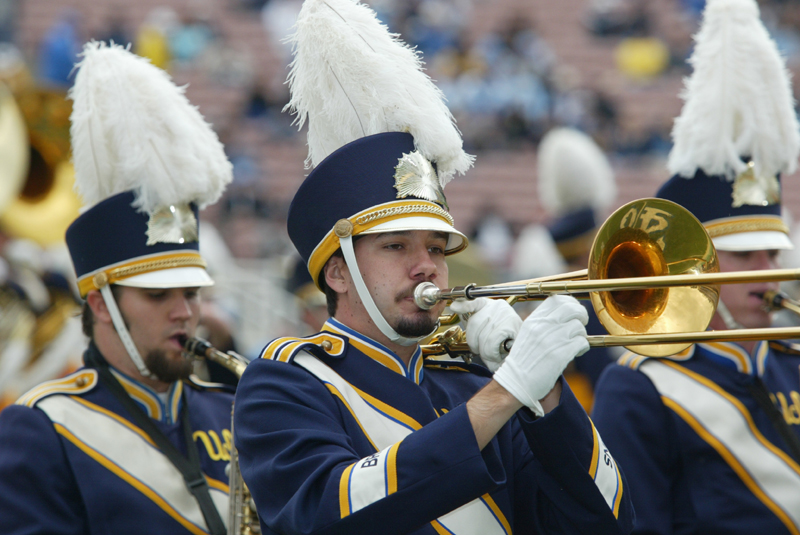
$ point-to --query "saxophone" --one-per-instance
(242, 515)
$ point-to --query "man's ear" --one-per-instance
(98, 305)
(336, 274)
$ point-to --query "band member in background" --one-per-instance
(576, 186)
(709, 438)
(351, 430)
(130, 443)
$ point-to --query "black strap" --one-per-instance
(189, 468)
(760, 393)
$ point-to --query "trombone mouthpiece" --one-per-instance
(426, 295)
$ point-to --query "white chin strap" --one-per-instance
(727, 317)
(366, 298)
(122, 331)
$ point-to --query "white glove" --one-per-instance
(489, 323)
(548, 340)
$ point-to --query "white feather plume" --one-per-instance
(134, 129)
(738, 99)
(351, 78)
(573, 172)
(535, 254)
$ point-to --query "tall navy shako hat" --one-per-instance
(142, 174)
(145, 162)
(111, 244)
(733, 222)
(380, 138)
(359, 190)
(573, 233)
(737, 132)
(576, 184)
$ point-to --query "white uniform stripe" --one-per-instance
(474, 518)
(368, 481)
(132, 454)
(382, 431)
(724, 421)
(606, 476)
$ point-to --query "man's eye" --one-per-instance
(156, 295)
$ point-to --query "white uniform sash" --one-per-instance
(374, 477)
(124, 450)
(722, 421)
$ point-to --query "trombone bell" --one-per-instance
(652, 238)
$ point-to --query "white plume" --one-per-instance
(738, 99)
(573, 172)
(133, 129)
(535, 254)
(351, 78)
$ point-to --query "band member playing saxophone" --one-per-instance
(130, 443)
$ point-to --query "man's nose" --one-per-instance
(765, 260)
(181, 309)
(423, 267)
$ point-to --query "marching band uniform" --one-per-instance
(700, 434)
(335, 433)
(99, 451)
(701, 455)
(73, 460)
(339, 475)
(576, 183)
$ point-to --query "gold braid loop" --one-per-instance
(408, 209)
(155, 265)
(752, 225)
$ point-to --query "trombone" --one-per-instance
(653, 279)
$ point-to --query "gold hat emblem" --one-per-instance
(749, 189)
(172, 224)
(415, 175)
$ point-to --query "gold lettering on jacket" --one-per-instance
(790, 411)
(217, 450)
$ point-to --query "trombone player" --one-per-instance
(351, 430)
(709, 438)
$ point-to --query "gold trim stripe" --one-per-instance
(729, 458)
(131, 480)
(724, 227)
(95, 281)
(371, 217)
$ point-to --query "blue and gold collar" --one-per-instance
(732, 355)
(150, 401)
(378, 352)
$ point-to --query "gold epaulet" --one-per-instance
(634, 361)
(284, 349)
(79, 382)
